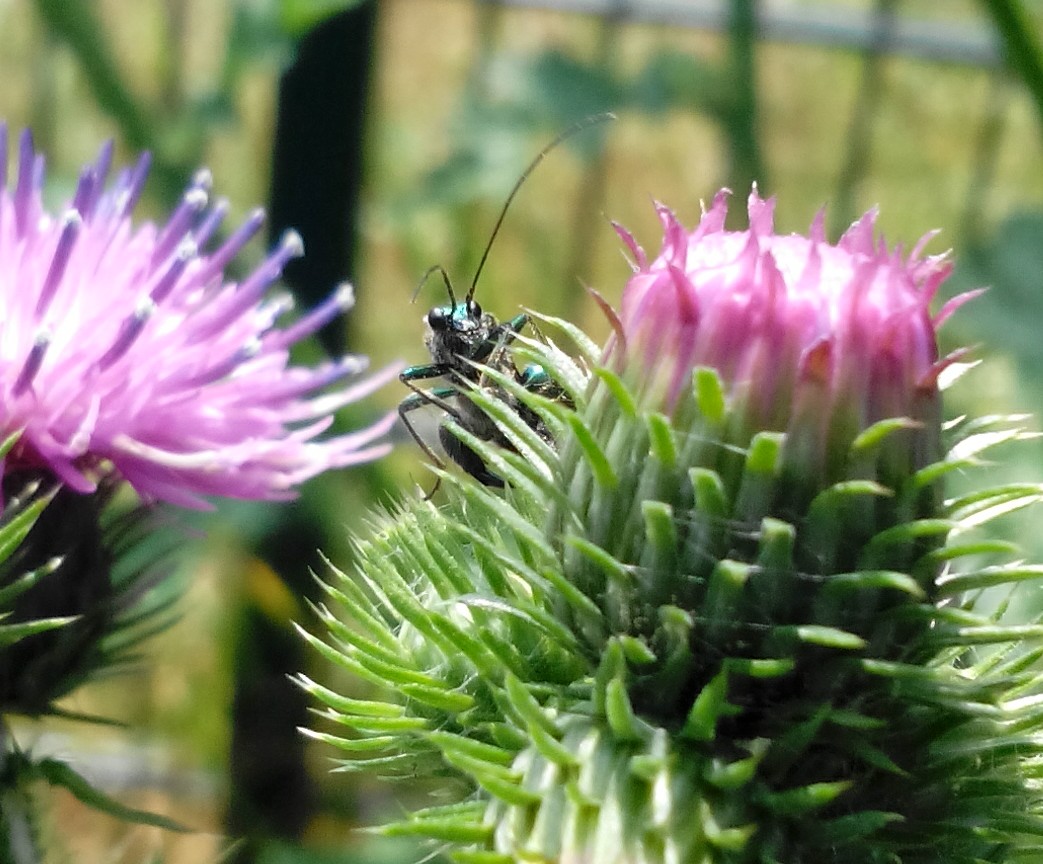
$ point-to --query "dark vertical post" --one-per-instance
(316, 177)
(317, 159)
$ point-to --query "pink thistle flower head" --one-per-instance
(817, 340)
(124, 350)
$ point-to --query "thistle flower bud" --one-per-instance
(722, 618)
(807, 338)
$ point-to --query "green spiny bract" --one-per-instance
(78, 588)
(691, 661)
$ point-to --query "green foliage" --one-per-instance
(60, 775)
(549, 91)
(1009, 313)
(81, 586)
(297, 17)
(21, 773)
(1021, 44)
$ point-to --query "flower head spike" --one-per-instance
(725, 616)
(124, 348)
(779, 314)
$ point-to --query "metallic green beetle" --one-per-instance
(461, 338)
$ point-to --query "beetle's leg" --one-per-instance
(423, 373)
(407, 406)
(500, 338)
(418, 399)
(436, 396)
(515, 324)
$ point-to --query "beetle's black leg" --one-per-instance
(408, 405)
(418, 399)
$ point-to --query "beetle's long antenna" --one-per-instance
(579, 126)
(445, 279)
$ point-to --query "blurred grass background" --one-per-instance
(932, 111)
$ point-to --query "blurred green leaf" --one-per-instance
(298, 16)
(674, 80)
(1021, 44)
(75, 21)
(370, 849)
(1008, 314)
(561, 90)
(59, 774)
(257, 32)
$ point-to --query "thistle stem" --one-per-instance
(18, 844)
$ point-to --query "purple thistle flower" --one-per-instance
(124, 350)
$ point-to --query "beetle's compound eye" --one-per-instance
(473, 310)
(439, 318)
